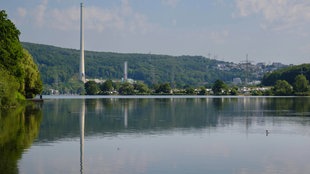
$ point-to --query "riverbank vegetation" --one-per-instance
(20, 77)
(300, 87)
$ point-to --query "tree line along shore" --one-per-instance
(300, 87)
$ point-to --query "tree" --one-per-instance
(91, 88)
(289, 74)
(32, 82)
(202, 91)
(8, 89)
(17, 62)
(141, 88)
(301, 84)
(190, 91)
(282, 88)
(234, 91)
(106, 86)
(126, 89)
(11, 51)
(163, 88)
(219, 87)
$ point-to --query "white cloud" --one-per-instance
(277, 14)
(65, 19)
(122, 18)
(219, 37)
(126, 8)
(100, 19)
(68, 19)
(39, 13)
(174, 22)
(139, 23)
(170, 3)
(22, 12)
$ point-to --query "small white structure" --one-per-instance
(125, 71)
(237, 81)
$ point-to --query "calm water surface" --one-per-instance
(170, 135)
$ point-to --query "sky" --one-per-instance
(266, 30)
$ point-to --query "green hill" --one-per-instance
(288, 74)
(59, 67)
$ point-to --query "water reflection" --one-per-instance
(82, 123)
(187, 135)
(18, 128)
(109, 116)
(125, 115)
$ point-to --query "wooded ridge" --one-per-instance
(60, 66)
(59, 69)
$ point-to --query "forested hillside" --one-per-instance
(59, 67)
(288, 74)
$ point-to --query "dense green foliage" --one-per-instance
(219, 87)
(106, 86)
(126, 89)
(8, 88)
(288, 74)
(163, 88)
(58, 66)
(301, 85)
(32, 83)
(293, 80)
(139, 88)
(20, 76)
(282, 88)
(11, 51)
(92, 88)
(111, 88)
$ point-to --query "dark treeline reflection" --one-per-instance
(18, 129)
(108, 116)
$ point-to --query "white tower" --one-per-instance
(125, 71)
(82, 69)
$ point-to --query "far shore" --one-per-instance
(44, 97)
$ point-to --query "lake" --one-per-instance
(151, 135)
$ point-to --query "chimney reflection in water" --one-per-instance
(82, 120)
(125, 115)
(82, 123)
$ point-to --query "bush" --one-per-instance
(8, 89)
(282, 88)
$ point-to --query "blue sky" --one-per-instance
(267, 30)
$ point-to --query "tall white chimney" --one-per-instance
(82, 68)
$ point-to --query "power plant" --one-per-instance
(82, 68)
(82, 76)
